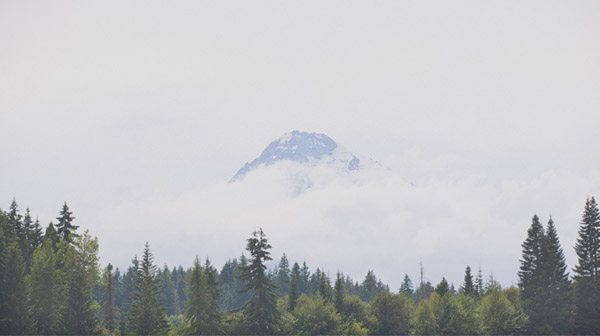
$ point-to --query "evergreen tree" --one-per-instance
(325, 287)
(479, 283)
(304, 278)
(51, 235)
(283, 275)
(147, 312)
(109, 311)
(37, 236)
(558, 287)
(393, 313)
(339, 292)
(407, 286)
(369, 286)
(170, 297)
(468, 287)
(442, 288)
(201, 309)
(294, 293)
(587, 271)
(66, 229)
(532, 277)
(28, 230)
(14, 315)
(260, 312)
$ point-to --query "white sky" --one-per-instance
(137, 113)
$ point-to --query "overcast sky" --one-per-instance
(137, 114)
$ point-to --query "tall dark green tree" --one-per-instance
(557, 285)
(282, 276)
(587, 271)
(37, 236)
(260, 312)
(532, 277)
(442, 288)
(202, 309)
(468, 286)
(65, 228)
(170, 297)
(51, 235)
(338, 292)
(479, 283)
(294, 292)
(406, 287)
(325, 287)
(147, 311)
(369, 286)
(109, 311)
(14, 315)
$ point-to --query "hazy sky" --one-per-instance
(138, 113)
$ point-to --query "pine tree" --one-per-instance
(479, 283)
(283, 275)
(261, 311)
(169, 291)
(15, 221)
(147, 311)
(202, 309)
(468, 287)
(66, 229)
(407, 286)
(325, 287)
(442, 288)
(109, 311)
(369, 286)
(51, 235)
(558, 286)
(14, 315)
(304, 278)
(37, 236)
(294, 293)
(339, 292)
(28, 230)
(587, 271)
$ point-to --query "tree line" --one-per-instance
(51, 283)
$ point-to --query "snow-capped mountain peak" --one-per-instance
(302, 147)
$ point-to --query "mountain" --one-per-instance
(302, 147)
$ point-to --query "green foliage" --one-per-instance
(260, 311)
(424, 321)
(393, 313)
(442, 288)
(44, 290)
(407, 286)
(202, 314)
(587, 271)
(501, 316)
(315, 316)
(294, 292)
(468, 286)
(109, 312)
(147, 312)
(65, 228)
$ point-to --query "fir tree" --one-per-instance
(369, 286)
(304, 278)
(37, 236)
(442, 288)
(407, 286)
(558, 287)
(14, 315)
(479, 283)
(147, 312)
(201, 309)
(170, 297)
(65, 228)
(338, 292)
(587, 271)
(468, 287)
(283, 275)
(294, 293)
(108, 303)
(51, 235)
(260, 312)
(532, 276)
(324, 287)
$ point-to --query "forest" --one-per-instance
(51, 282)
